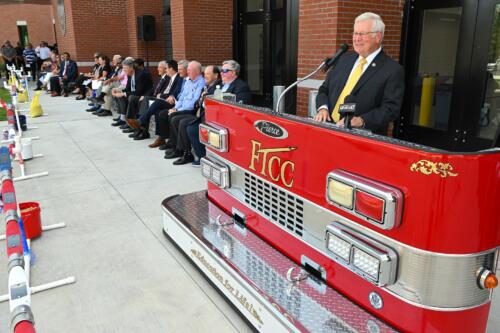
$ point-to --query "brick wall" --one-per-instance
(324, 25)
(202, 30)
(109, 27)
(37, 16)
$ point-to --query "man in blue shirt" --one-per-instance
(184, 105)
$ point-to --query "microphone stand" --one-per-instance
(297, 82)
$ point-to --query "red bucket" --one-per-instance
(30, 213)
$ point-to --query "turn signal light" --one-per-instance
(214, 136)
(487, 279)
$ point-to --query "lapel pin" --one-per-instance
(374, 64)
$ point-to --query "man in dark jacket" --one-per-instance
(68, 72)
(139, 84)
(369, 78)
(233, 83)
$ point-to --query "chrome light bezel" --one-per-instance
(387, 257)
(393, 198)
(223, 169)
(223, 136)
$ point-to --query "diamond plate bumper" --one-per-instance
(269, 290)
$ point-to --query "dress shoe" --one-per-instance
(79, 98)
(173, 154)
(128, 130)
(165, 146)
(92, 109)
(186, 158)
(97, 112)
(66, 94)
(104, 113)
(37, 89)
(143, 134)
(118, 123)
(116, 119)
(134, 134)
(124, 126)
(169, 150)
(134, 123)
(55, 94)
(158, 142)
(196, 163)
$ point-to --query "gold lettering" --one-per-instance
(255, 154)
(270, 168)
(283, 170)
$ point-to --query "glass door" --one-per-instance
(451, 54)
(266, 45)
(484, 126)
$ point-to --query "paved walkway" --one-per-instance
(108, 188)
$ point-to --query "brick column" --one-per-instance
(202, 30)
(324, 25)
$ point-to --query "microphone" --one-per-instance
(329, 62)
(347, 110)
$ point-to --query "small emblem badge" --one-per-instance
(374, 64)
(270, 129)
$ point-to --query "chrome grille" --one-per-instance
(278, 206)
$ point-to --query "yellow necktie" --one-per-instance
(350, 84)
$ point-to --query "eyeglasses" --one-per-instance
(363, 34)
(226, 70)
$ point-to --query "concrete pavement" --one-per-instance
(108, 188)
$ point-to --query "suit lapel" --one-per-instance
(373, 68)
(344, 75)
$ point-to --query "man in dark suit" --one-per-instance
(139, 84)
(67, 74)
(165, 101)
(369, 77)
(139, 106)
(233, 83)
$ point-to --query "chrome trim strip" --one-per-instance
(415, 266)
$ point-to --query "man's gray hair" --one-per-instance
(184, 63)
(129, 61)
(197, 65)
(378, 24)
(234, 66)
(163, 63)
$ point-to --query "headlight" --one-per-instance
(367, 257)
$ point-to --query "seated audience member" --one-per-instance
(67, 74)
(104, 73)
(167, 98)
(29, 55)
(139, 83)
(233, 83)
(117, 80)
(178, 126)
(171, 90)
(144, 101)
(19, 59)
(45, 75)
(185, 105)
(9, 55)
(84, 78)
(136, 102)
